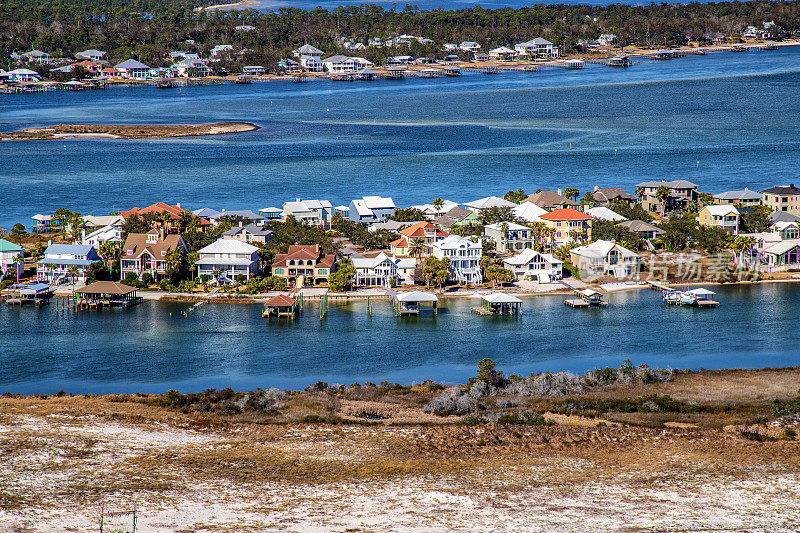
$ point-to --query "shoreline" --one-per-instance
(126, 131)
(241, 4)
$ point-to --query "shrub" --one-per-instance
(451, 401)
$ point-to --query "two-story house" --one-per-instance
(371, 209)
(535, 48)
(509, 236)
(489, 202)
(465, 258)
(147, 253)
(10, 256)
(230, 258)
(782, 198)
(605, 258)
(304, 261)
(311, 212)
(250, 233)
(533, 265)
(101, 236)
(60, 258)
(605, 195)
(379, 271)
(742, 198)
(421, 230)
(550, 200)
(568, 225)
(676, 196)
(720, 216)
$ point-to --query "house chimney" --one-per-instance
(559, 192)
(161, 234)
(596, 188)
(178, 205)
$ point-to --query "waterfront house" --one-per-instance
(606, 39)
(191, 68)
(60, 258)
(271, 213)
(37, 56)
(383, 271)
(253, 70)
(391, 225)
(720, 216)
(289, 66)
(605, 258)
(604, 195)
(221, 49)
(783, 198)
(251, 233)
(569, 225)
(244, 27)
(206, 212)
(550, 200)
(502, 53)
(426, 231)
(469, 46)
(454, 217)
(23, 75)
(371, 209)
(304, 262)
(102, 235)
(645, 230)
(339, 64)
(307, 50)
(742, 198)
(537, 48)
(96, 56)
(533, 265)
(44, 224)
(509, 236)
(465, 258)
(477, 206)
(147, 253)
(528, 212)
(450, 47)
(679, 194)
(230, 258)
(311, 212)
(312, 63)
(110, 72)
(10, 257)
(432, 212)
(480, 56)
(781, 255)
(604, 213)
(174, 212)
(132, 69)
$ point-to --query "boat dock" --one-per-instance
(586, 298)
(498, 303)
(283, 306)
(414, 302)
(699, 297)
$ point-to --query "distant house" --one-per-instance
(253, 70)
(288, 65)
(605, 258)
(379, 271)
(509, 236)
(174, 211)
(550, 201)
(271, 213)
(469, 46)
(307, 50)
(465, 258)
(680, 194)
(23, 75)
(720, 216)
(147, 253)
(426, 231)
(528, 212)
(44, 224)
(312, 212)
(339, 64)
(312, 63)
(742, 198)
(606, 39)
(206, 212)
(477, 206)
(604, 213)
(246, 215)
(533, 265)
(91, 55)
(37, 56)
(371, 209)
(102, 235)
(306, 262)
(10, 256)
(432, 212)
(480, 56)
(249, 233)
(502, 53)
(221, 49)
(569, 225)
(60, 258)
(391, 225)
(783, 198)
(229, 258)
(642, 228)
(132, 69)
(605, 195)
(244, 27)
(450, 47)
(191, 68)
(454, 217)
(536, 48)
(780, 255)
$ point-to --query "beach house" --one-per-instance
(537, 48)
(605, 258)
(603, 196)
(91, 55)
(304, 264)
(311, 212)
(251, 233)
(246, 215)
(101, 236)
(312, 63)
(371, 209)
(164, 210)
(720, 216)
(149, 253)
(10, 256)
(469, 46)
(550, 200)
(339, 64)
(132, 69)
(509, 236)
(308, 51)
(477, 206)
(58, 259)
(44, 223)
(23, 75)
(533, 265)
(604, 213)
(663, 197)
(528, 212)
(569, 225)
(384, 271)
(37, 56)
(455, 217)
(742, 198)
(645, 230)
(782, 198)
(465, 257)
(432, 212)
(253, 70)
(428, 232)
(780, 255)
(228, 260)
(502, 53)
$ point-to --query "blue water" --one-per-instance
(145, 349)
(458, 138)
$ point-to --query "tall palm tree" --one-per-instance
(416, 247)
(437, 203)
(166, 221)
(572, 193)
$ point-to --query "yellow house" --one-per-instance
(720, 216)
(568, 225)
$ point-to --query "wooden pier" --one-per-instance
(106, 294)
(498, 303)
(586, 298)
(283, 306)
(414, 302)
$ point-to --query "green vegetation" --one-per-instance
(435, 271)
(640, 404)
(515, 196)
(608, 230)
(411, 214)
(342, 279)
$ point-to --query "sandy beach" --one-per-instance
(235, 5)
(127, 131)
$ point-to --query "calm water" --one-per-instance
(144, 349)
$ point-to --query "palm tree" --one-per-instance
(73, 273)
(437, 203)
(572, 193)
(174, 258)
(166, 220)
(417, 247)
(639, 192)
(184, 220)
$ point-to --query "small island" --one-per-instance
(127, 131)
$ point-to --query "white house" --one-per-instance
(91, 55)
(313, 212)
(59, 258)
(509, 236)
(23, 75)
(606, 39)
(431, 211)
(477, 206)
(253, 70)
(371, 209)
(221, 49)
(307, 50)
(341, 64)
(533, 265)
(132, 69)
(528, 212)
(604, 213)
(605, 258)
(502, 53)
(469, 46)
(250, 233)
(101, 236)
(537, 47)
(465, 258)
(381, 269)
(93, 222)
(229, 258)
(10, 255)
(37, 56)
(312, 63)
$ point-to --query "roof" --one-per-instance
(130, 64)
(549, 199)
(91, 52)
(280, 300)
(783, 216)
(502, 50)
(104, 229)
(104, 220)
(604, 213)
(509, 226)
(271, 210)
(244, 213)
(305, 252)
(228, 246)
(721, 210)
(69, 249)
(490, 201)
(416, 296)
(378, 202)
(675, 184)
(250, 228)
(308, 49)
(783, 190)
(600, 248)
(107, 287)
(609, 193)
(418, 230)
(206, 212)
(528, 211)
(528, 254)
(31, 288)
(745, 194)
(640, 226)
(452, 242)
(701, 291)
(8, 246)
(136, 243)
(566, 213)
(500, 298)
(781, 247)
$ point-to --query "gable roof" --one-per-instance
(783, 190)
(527, 255)
(549, 199)
(131, 64)
(8, 246)
(600, 248)
(250, 228)
(137, 244)
(566, 213)
(69, 249)
(280, 300)
(528, 211)
(721, 210)
(604, 213)
(228, 246)
(640, 226)
(490, 201)
(609, 193)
